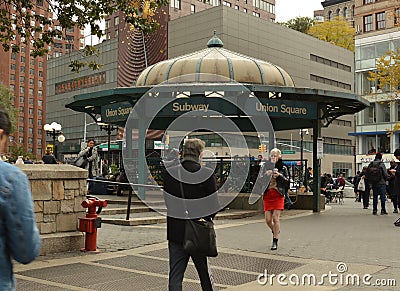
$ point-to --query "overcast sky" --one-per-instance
(289, 9)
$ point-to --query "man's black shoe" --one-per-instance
(374, 213)
(384, 213)
(395, 211)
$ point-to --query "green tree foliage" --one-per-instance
(18, 22)
(6, 102)
(301, 24)
(19, 151)
(338, 32)
(387, 76)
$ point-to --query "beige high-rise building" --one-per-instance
(377, 32)
(339, 8)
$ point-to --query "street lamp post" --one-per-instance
(109, 129)
(54, 130)
(302, 131)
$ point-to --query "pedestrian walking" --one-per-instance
(377, 176)
(274, 197)
(19, 236)
(390, 186)
(362, 188)
(48, 158)
(90, 152)
(396, 183)
(176, 207)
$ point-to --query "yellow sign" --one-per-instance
(50, 147)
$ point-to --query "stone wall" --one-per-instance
(57, 192)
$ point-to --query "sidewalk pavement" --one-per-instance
(344, 240)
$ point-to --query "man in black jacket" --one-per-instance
(48, 158)
(379, 187)
(395, 171)
(200, 200)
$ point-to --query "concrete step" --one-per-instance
(154, 217)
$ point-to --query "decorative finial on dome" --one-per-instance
(215, 41)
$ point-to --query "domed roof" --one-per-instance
(217, 61)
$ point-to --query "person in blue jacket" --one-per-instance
(19, 236)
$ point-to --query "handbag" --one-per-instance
(199, 238)
(361, 185)
(81, 162)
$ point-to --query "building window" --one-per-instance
(367, 1)
(22, 69)
(32, 62)
(30, 120)
(30, 110)
(30, 101)
(69, 46)
(40, 64)
(116, 20)
(228, 4)
(341, 168)
(39, 142)
(367, 23)
(256, 14)
(380, 20)
(31, 71)
(236, 7)
(21, 99)
(192, 9)
(40, 93)
(40, 102)
(30, 130)
(12, 87)
(21, 89)
(40, 73)
(107, 24)
(245, 10)
(12, 67)
(345, 12)
(329, 15)
(12, 77)
(116, 33)
(31, 81)
(22, 79)
(338, 12)
(176, 4)
(21, 109)
(40, 84)
(13, 56)
(30, 91)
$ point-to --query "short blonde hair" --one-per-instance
(193, 148)
(276, 151)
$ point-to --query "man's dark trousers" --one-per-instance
(379, 190)
(178, 260)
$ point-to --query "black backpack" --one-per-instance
(374, 173)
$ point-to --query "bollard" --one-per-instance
(91, 222)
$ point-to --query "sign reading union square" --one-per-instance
(274, 108)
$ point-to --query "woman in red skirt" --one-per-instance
(274, 197)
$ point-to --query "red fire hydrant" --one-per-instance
(91, 222)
